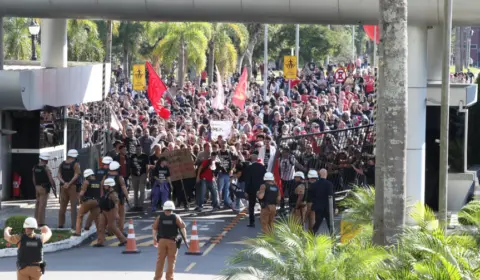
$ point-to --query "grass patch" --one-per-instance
(57, 235)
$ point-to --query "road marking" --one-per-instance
(146, 228)
(190, 266)
(137, 239)
(145, 244)
(208, 249)
(108, 238)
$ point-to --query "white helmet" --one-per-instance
(44, 156)
(114, 165)
(109, 182)
(268, 176)
(88, 172)
(169, 205)
(299, 174)
(30, 223)
(72, 153)
(312, 174)
(107, 160)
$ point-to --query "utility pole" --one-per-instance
(444, 119)
(353, 43)
(265, 62)
(297, 43)
(327, 59)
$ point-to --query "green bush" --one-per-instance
(468, 215)
(16, 223)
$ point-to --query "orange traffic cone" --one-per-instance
(194, 248)
(131, 241)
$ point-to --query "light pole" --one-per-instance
(265, 62)
(444, 119)
(34, 29)
(297, 43)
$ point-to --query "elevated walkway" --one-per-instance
(424, 12)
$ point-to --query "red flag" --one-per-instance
(156, 89)
(276, 175)
(240, 95)
(373, 32)
(295, 82)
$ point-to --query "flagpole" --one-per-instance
(265, 62)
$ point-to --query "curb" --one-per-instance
(57, 246)
(227, 228)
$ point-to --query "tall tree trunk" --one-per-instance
(125, 64)
(181, 65)
(254, 32)
(211, 60)
(458, 49)
(390, 180)
(108, 45)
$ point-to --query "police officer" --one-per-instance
(103, 170)
(298, 198)
(108, 214)
(312, 177)
(68, 174)
(269, 196)
(89, 196)
(30, 264)
(121, 190)
(43, 181)
(165, 230)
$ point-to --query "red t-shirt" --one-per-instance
(207, 173)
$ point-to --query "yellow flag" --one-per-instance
(290, 67)
(139, 81)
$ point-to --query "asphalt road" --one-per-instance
(109, 263)
(87, 262)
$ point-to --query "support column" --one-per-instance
(417, 113)
(54, 51)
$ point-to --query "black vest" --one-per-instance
(294, 197)
(30, 251)
(68, 171)
(41, 176)
(167, 226)
(118, 187)
(101, 172)
(93, 190)
(106, 204)
(271, 194)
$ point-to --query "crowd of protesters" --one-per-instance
(313, 122)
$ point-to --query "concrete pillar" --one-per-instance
(1, 43)
(417, 113)
(54, 51)
(435, 53)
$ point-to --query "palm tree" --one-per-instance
(84, 43)
(17, 38)
(185, 43)
(391, 133)
(128, 41)
(290, 252)
(359, 206)
(221, 47)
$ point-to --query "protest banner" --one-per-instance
(223, 128)
(180, 163)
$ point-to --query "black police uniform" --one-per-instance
(93, 191)
(41, 177)
(167, 227)
(68, 172)
(30, 252)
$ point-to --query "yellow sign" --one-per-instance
(290, 67)
(139, 81)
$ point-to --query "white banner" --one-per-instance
(223, 128)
